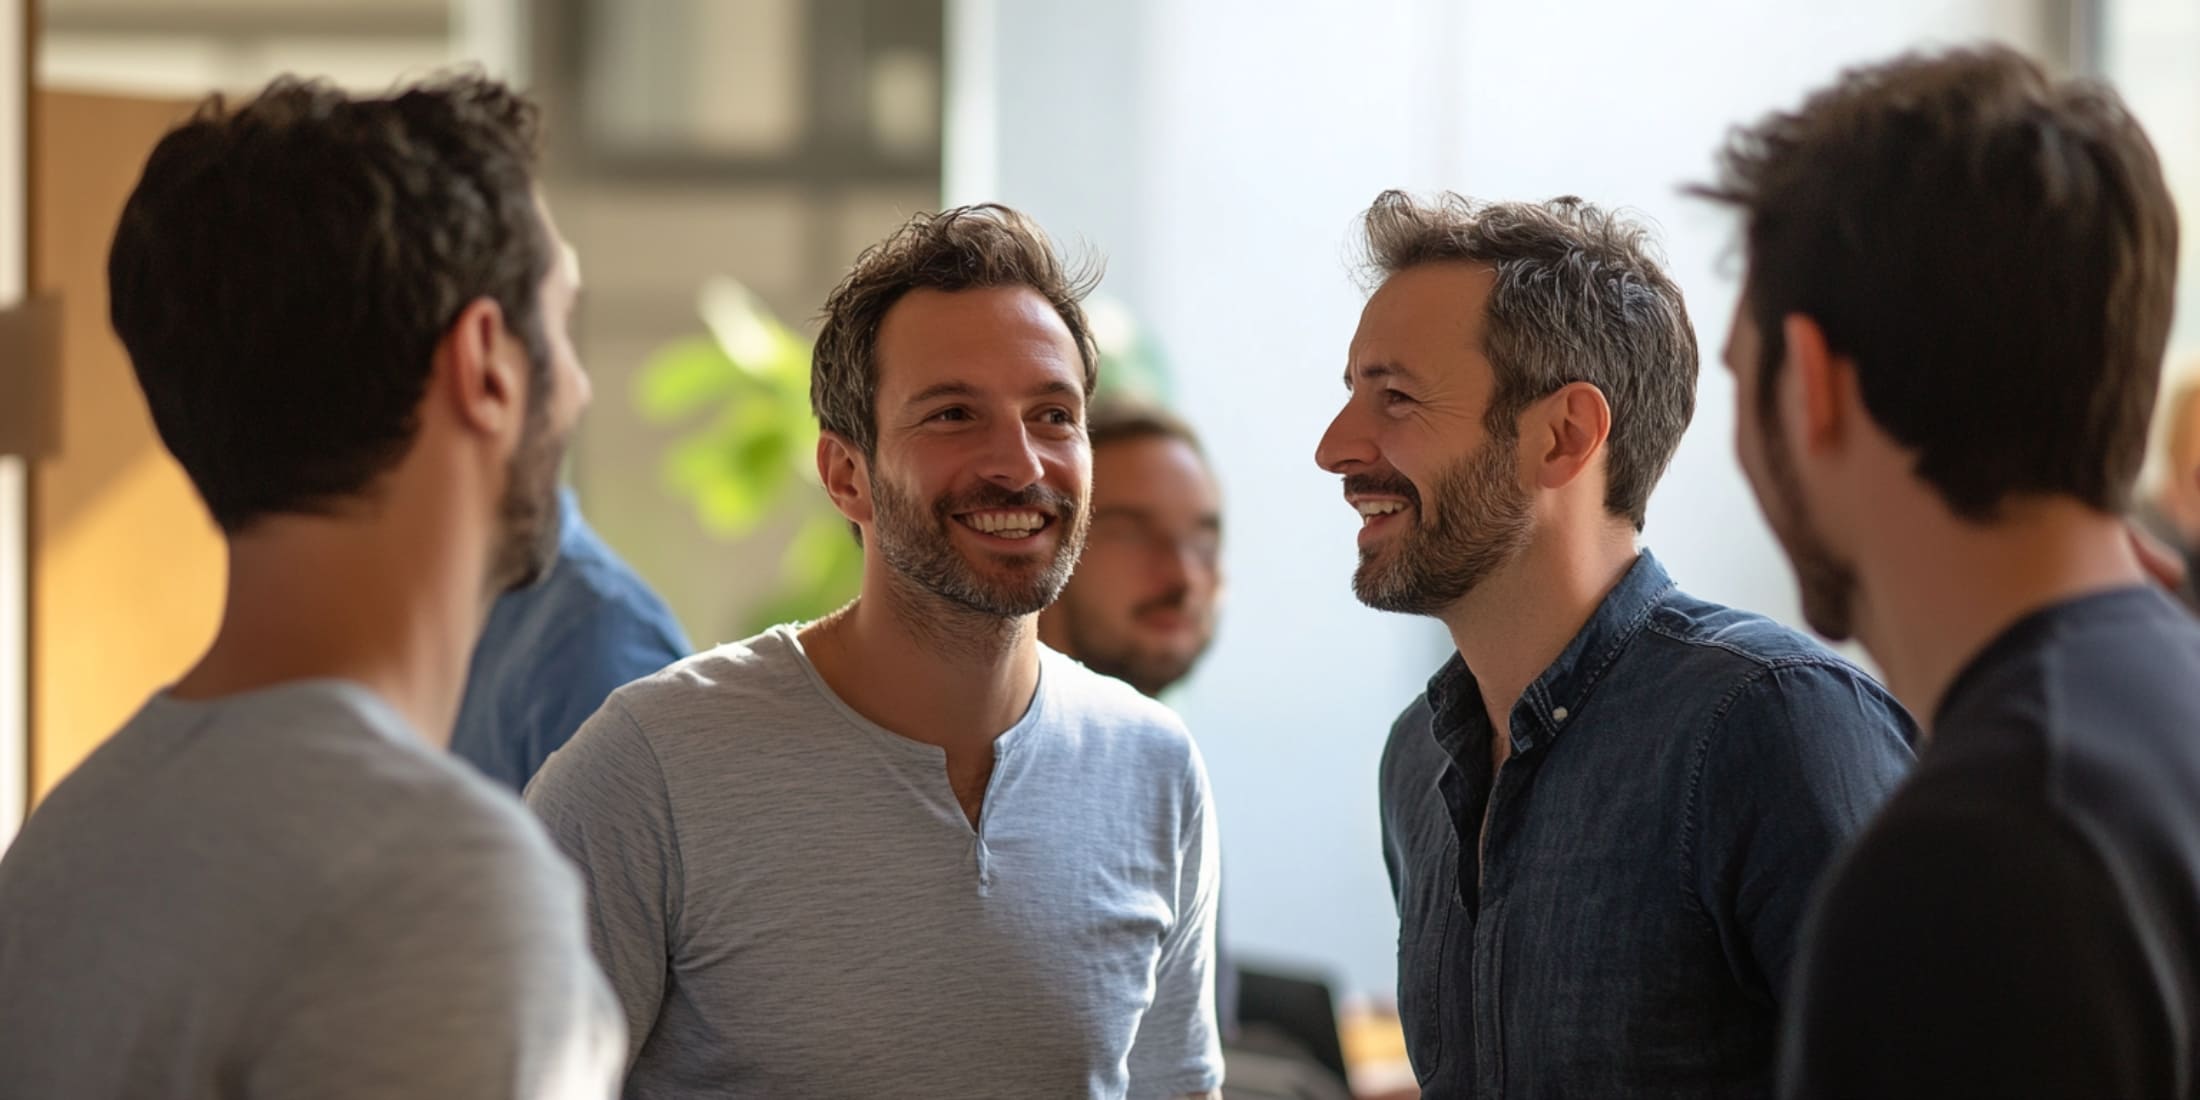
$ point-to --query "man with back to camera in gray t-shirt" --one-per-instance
(905, 850)
(349, 320)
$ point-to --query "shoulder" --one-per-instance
(1110, 712)
(1713, 636)
(1755, 669)
(686, 718)
(765, 671)
(402, 823)
(1940, 912)
(589, 601)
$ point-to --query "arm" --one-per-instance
(1398, 770)
(1177, 1050)
(605, 803)
(1792, 768)
(1976, 950)
(458, 968)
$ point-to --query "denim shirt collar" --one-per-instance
(1455, 698)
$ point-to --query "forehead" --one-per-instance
(994, 337)
(1152, 473)
(565, 263)
(1425, 317)
(1741, 334)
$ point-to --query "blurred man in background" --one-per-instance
(1141, 605)
(554, 651)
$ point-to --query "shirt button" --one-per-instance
(1558, 714)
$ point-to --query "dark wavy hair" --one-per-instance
(285, 268)
(966, 248)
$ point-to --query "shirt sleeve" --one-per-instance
(1177, 1050)
(1793, 768)
(595, 654)
(605, 803)
(1968, 950)
(457, 968)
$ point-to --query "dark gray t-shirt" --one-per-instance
(2024, 917)
(791, 903)
(287, 893)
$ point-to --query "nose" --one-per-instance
(1345, 446)
(1011, 461)
(584, 387)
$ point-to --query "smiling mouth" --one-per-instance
(1011, 524)
(1374, 511)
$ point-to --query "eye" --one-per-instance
(1060, 416)
(1394, 397)
(951, 414)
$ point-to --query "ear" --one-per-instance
(845, 474)
(481, 371)
(1566, 432)
(1819, 388)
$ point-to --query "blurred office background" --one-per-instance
(1215, 151)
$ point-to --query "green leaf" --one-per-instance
(687, 376)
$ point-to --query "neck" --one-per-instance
(931, 672)
(376, 603)
(1926, 615)
(1515, 623)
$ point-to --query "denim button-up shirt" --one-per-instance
(1678, 780)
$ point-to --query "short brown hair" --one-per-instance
(1123, 419)
(1581, 296)
(1996, 252)
(966, 248)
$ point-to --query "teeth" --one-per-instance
(1010, 525)
(1380, 507)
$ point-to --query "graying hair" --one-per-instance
(1581, 296)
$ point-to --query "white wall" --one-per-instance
(1219, 150)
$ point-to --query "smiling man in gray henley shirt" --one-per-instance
(906, 850)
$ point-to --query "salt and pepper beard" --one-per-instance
(1481, 521)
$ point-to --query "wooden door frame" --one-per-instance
(18, 47)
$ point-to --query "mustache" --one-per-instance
(1391, 484)
(986, 495)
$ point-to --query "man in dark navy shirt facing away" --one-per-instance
(1605, 818)
(1959, 289)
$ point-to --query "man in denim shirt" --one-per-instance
(1603, 901)
(552, 653)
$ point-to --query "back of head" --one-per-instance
(285, 269)
(965, 248)
(1993, 249)
(1581, 295)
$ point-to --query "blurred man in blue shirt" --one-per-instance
(551, 654)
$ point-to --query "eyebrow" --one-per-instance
(964, 389)
(1379, 370)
